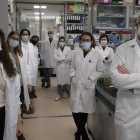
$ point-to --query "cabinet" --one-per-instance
(109, 16)
(101, 122)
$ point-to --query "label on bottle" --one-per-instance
(77, 17)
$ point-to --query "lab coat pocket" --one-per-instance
(88, 84)
(91, 66)
(120, 110)
(74, 82)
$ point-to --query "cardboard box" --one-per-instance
(127, 2)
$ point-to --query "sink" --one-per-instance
(111, 90)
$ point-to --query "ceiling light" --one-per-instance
(43, 7)
(38, 17)
(39, 13)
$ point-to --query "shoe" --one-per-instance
(24, 109)
(30, 95)
(77, 136)
(48, 86)
(34, 95)
(58, 98)
(21, 137)
(43, 83)
(85, 138)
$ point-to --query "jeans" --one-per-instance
(61, 88)
(47, 74)
(80, 121)
(2, 122)
(22, 100)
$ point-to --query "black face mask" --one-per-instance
(34, 42)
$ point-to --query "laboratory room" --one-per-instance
(70, 70)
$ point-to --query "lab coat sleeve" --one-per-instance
(36, 57)
(123, 81)
(42, 51)
(69, 56)
(99, 70)
(72, 67)
(58, 58)
(111, 57)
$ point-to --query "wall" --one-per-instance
(4, 16)
(45, 23)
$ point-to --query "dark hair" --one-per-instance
(61, 37)
(91, 36)
(34, 36)
(23, 31)
(16, 49)
(102, 36)
(5, 59)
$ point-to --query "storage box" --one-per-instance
(103, 1)
(127, 2)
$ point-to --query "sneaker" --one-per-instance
(48, 86)
(58, 98)
(34, 95)
(77, 136)
(43, 83)
(30, 95)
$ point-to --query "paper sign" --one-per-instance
(105, 0)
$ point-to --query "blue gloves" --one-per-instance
(42, 62)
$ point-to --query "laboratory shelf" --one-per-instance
(110, 17)
(77, 24)
(109, 28)
(76, 13)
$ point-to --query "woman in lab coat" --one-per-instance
(126, 77)
(28, 54)
(34, 39)
(87, 67)
(62, 55)
(22, 68)
(10, 118)
(106, 52)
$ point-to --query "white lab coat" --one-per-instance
(12, 105)
(82, 95)
(105, 53)
(47, 53)
(63, 65)
(127, 114)
(30, 60)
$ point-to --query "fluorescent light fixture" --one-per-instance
(43, 7)
(39, 13)
(38, 17)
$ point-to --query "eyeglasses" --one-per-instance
(15, 38)
(86, 40)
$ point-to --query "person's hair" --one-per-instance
(5, 59)
(34, 36)
(102, 36)
(61, 37)
(23, 31)
(91, 37)
(18, 48)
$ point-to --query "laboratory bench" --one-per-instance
(100, 124)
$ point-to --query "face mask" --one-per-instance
(13, 43)
(0, 48)
(34, 42)
(86, 45)
(61, 44)
(104, 43)
(139, 31)
(25, 38)
(50, 35)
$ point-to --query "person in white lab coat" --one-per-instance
(106, 52)
(10, 115)
(28, 55)
(47, 58)
(62, 54)
(34, 39)
(126, 78)
(22, 68)
(87, 66)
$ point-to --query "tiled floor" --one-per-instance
(52, 120)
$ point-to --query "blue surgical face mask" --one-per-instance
(25, 38)
(0, 48)
(50, 35)
(13, 43)
(61, 44)
(86, 45)
(104, 43)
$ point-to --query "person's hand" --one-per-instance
(73, 76)
(58, 55)
(29, 89)
(19, 128)
(109, 57)
(66, 56)
(42, 62)
(122, 69)
(89, 79)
